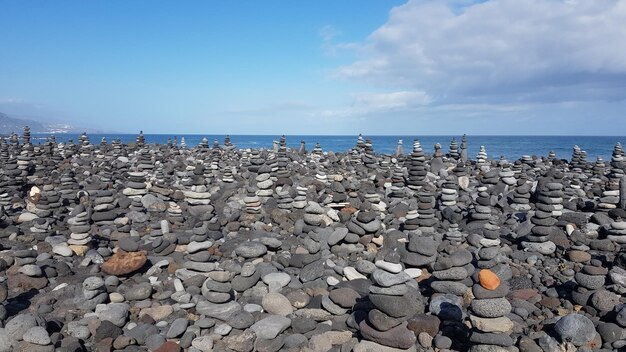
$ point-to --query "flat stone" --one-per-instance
(268, 328)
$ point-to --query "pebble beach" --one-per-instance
(132, 246)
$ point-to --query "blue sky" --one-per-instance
(322, 67)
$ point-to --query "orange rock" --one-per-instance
(122, 263)
(488, 279)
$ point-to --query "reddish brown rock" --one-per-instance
(122, 263)
(524, 294)
(169, 346)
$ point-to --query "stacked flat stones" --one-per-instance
(491, 328)
(481, 158)
(463, 155)
(454, 149)
(78, 224)
(482, 210)
(395, 299)
(549, 207)
(437, 162)
(616, 231)
(264, 182)
(427, 215)
(520, 197)
(416, 167)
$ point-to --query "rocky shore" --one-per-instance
(107, 246)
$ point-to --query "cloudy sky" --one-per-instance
(324, 67)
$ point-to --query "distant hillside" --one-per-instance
(10, 124)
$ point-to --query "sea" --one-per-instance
(510, 147)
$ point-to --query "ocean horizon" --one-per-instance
(511, 147)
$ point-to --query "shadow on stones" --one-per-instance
(20, 302)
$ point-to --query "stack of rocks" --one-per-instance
(94, 292)
(436, 162)
(321, 176)
(482, 210)
(491, 328)
(449, 192)
(84, 147)
(411, 222)
(452, 272)
(174, 213)
(617, 162)
(302, 149)
(507, 175)
(103, 207)
(136, 186)
(551, 156)
(14, 142)
(454, 150)
(300, 201)
(520, 197)
(599, 167)
(490, 177)
(227, 175)
(78, 224)
(252, 202)
(549, 206)
(454, 236)
(68, 186)
(283, 197)
(117, 148)
(481, 158)
(610, 195)
(590, 279)
(26, 155)
(427, 219)
(203, 147)
(318, 150)
(399, 149)
(255, 161)
(416, 167)
(368, 157)
(395, 299)
(140, 141)
(460, 170)
(616, 232)
(490, 245)
(228, 144)
(464, 148)
(576, 161)
(4, 151)
(264, 182)
(282, 161)
(397, 184)
(49, 201)
(364, 223)
(420, 250)
(145, 160)
(26, 139)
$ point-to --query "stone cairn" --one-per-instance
(491, 327)
(436, 162)
(520, 200)
(454, 150)
(464, 156)
(78, 223)
(549, 207)
(481, 158)
(395, 299)
(416, 168)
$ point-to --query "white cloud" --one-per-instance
(499, 51)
